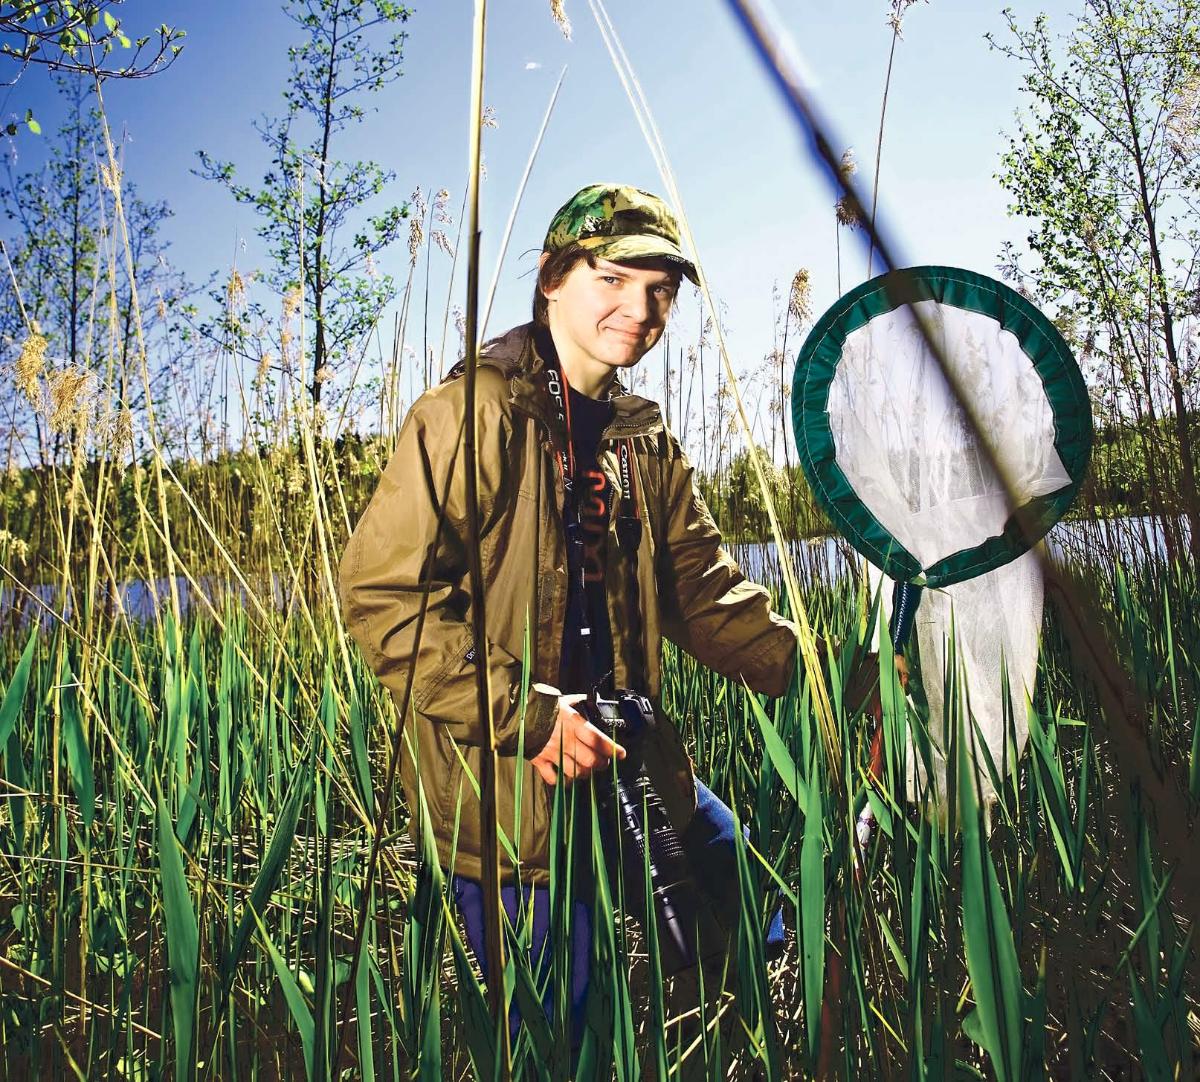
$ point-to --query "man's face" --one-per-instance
(613, 313)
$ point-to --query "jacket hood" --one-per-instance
(517, 356)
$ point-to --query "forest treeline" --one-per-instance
(254, 497)
(113, 355)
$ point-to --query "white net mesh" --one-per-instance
(997, 619)
(905, 446)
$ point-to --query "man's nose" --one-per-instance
(637, 306)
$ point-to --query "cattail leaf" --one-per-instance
(752, 973)
(525, 992)
(1152, 1055)
(274, 861)
(473, 781)
(14, 694)
(79, 758)
(1194, 761)
(1033, 1048)
(296, 1003)
(881, 811)
(601, 1037)
(358, 754)
(987, 934)
(918, 928)
(362, 1004)
(777, 751)
(972, 1027)
(1081, 803)
(424, 936)
(893, 944)
(480, 1026)
(812, 914)
(1047, 772)
(658, 1014)
(183, 942)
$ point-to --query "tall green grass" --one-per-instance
(186, 907)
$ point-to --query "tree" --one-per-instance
(337, 62)
(77, 36)
(73, 295)
(737, 504)
(1104, 163)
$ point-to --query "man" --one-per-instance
(569, 462)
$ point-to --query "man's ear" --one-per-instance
(541, 263)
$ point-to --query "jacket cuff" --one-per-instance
(541, 712)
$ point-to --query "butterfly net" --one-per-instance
(906, 447)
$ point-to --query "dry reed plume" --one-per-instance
(31, 365)
(800, 297)
(559, 15)
(72, 398)
(844, 208)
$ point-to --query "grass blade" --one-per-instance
(183, 943)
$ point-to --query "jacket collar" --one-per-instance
(517, 356)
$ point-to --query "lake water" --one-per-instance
(1135, 538)
(138, 599)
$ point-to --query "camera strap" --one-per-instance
(628, 523)
(629, 537)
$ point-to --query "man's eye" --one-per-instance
(612, 279)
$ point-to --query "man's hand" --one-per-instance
(902, 670)
(585, 748)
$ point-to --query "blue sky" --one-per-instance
(758, 208)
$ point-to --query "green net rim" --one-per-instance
(1040, 341)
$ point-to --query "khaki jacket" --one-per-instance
(691, 591)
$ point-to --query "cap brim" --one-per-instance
(644, 246)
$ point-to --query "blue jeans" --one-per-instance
(709, 844)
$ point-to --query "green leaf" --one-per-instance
(183, 942)
(987, 932)
(893, 944)
(777, 752)
(362, 1002)
(972, 1028)
(480, 1029)
(812, 915)
(297, 1005)
(274, 861)
(79, 757)
(14, 695)
(359, 756)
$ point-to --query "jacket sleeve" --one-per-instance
(398, 545)
(710, 609)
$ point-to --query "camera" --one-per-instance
(650, 845)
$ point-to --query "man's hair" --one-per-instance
(553, 273)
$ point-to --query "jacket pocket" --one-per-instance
(532, 846)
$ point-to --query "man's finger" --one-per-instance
(588, 759)
(599, 741)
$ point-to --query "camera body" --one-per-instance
(649, 846)
(625, 717)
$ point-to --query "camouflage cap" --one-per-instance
(619, 223)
